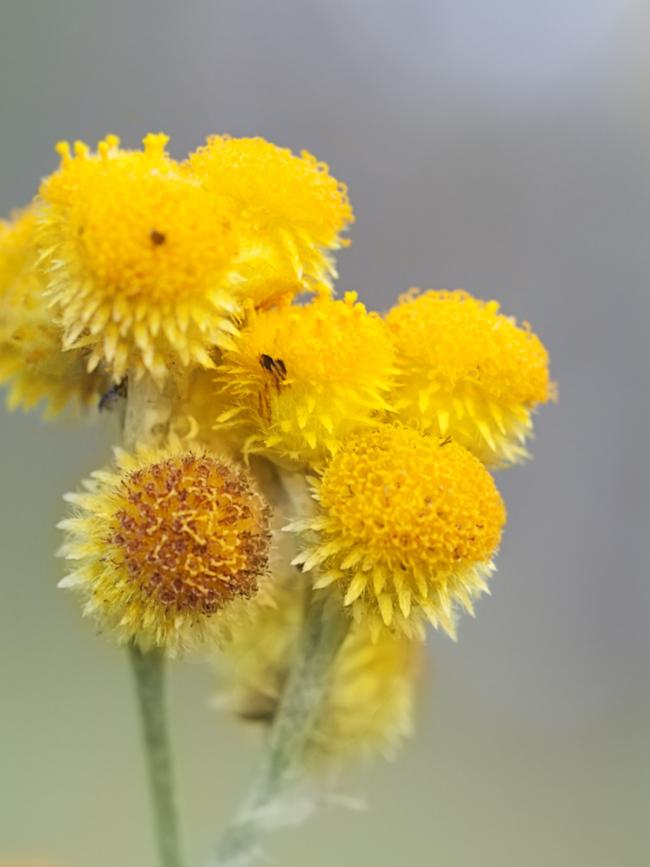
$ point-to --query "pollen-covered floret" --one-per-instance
(469, 371)
(136, 257)
(32, 360)
(168, 546)
(368, 706)
(291, 212)
(301, 378)
(407, 526)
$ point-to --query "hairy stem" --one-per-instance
(282, 764)
(147, 418)
(148, 669)
(148, 412)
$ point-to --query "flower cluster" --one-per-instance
(279, 441)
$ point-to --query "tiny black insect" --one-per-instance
(445, 441)
(110, 399)
(273, 365)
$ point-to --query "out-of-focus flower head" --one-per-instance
(290, 210)
(32, 360)
(469, 371)
(407, 527)
(368, 707)
(301, 378)
(168, 547)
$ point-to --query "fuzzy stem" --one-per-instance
(147, 419)
(148, 669)
(148, 412)
(282, 764)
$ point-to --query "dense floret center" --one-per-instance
(190, 533)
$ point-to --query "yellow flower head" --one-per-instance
(469, 371)
(292, 212)
(32, 360)
(303, 377)
(407, 526)
(137, 257)
(168, 546)
(369, 704)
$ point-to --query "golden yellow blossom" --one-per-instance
(407, 526)
(291, 213)
(32, 360)
(167, 546)
(369, 703)
(137, 256)
(469, 371)
(301, 378)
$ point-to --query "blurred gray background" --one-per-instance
(497, 145)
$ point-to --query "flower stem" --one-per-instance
(282, 764)
(148, 669)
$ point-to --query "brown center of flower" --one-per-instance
(191, 533)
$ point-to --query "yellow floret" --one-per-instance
(407, 526)
(303, 377)
(292, 212)
(369, 704)
(32, 360)
(469, 371)
(168, 546)
(137, 253)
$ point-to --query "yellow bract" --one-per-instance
(32, 359)
(369, 703)
(302, 378)
(137, 257)
(168, 546)
(407, 526)
(291, 210)
(469, 371)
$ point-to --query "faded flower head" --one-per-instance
(137, 255)
(32, 360)
(407, 526)
(167, 546)
(301, 378)
(368, 707)
(469, 371)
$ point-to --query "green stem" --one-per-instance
(148, 669)
(282, 764)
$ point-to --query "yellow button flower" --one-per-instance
(137, 253)
(291, 213)
(469, 371)
(303, 377)
(167, 546)
(407, 526)
(32, 360)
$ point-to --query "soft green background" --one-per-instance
(499, 145)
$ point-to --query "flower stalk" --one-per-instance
(149, 670)
(269, 804)
(146, 419)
